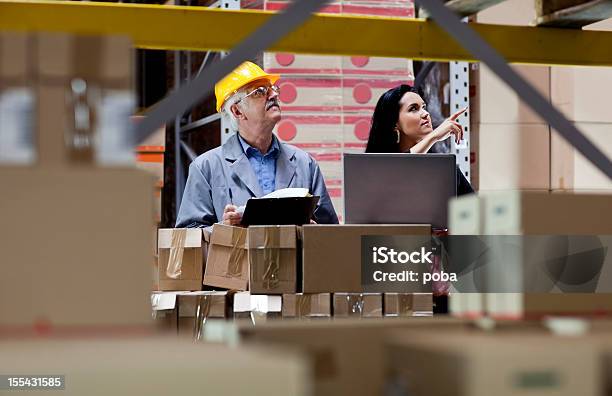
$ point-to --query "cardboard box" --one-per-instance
(256, 307)
(398, 304)
(512, 168)
(348, 354)
(570, 170)
(331, 254)
(227, 265)
(17, 138)
(466, 215)
(363, 305)
(100, 59)
(515, 213)
(407, 304)
(17, 101)
(288, 64)
(94, 247)
(302, 305)
(310, 94)
(181, 258)
(159, 366)
(196, 307)
(272, 259)
(499, 104)
(361, 94)
(15, 59)
(533, 213)
(422, 303)
(577, 93)
(92, 74)
(165, 312)
(513, 364)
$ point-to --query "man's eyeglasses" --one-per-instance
(260, 92)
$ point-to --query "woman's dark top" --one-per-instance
(463, 185)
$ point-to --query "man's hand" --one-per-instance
(231, 216)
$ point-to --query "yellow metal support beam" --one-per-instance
(198, 29)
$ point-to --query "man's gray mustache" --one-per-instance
(273, 103)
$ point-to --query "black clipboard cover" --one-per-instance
(279, 211)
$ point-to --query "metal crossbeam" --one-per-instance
(476, 45)
(264, 37)
(201, 122)
(174, 27)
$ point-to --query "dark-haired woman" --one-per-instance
(402, 124)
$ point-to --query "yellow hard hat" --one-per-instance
(241, 76)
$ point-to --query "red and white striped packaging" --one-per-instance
(334, 7)
(355, 132)
(311, 132)
(330, 163)
(311, 94)
(287, 64)
(361, 94)
(375, 66)
(404, 9)
(339, 207)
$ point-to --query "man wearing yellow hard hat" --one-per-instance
(252, 162)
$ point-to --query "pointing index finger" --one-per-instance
(457, 114)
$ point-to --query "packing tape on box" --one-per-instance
(270, 251)
(202, 311)
(355, 304)
(177, 248)
(303, 305)
(234, 269)
(404, 304)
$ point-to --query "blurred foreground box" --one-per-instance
(504, 363)
(158, 366)
(348, 354)
(76, 247)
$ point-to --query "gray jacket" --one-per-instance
(224, 176)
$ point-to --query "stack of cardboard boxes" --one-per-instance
(75, 212)
(567, 230)
(514, 147)
(520, 161)
(75, 238)
(280, 271)
(512, 142)
(328, 101)
(580, 94)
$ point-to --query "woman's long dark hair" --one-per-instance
(383, 138)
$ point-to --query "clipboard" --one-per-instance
(279, 211)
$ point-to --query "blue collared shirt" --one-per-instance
(264, 165)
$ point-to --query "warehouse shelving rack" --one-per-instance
(180, 28)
